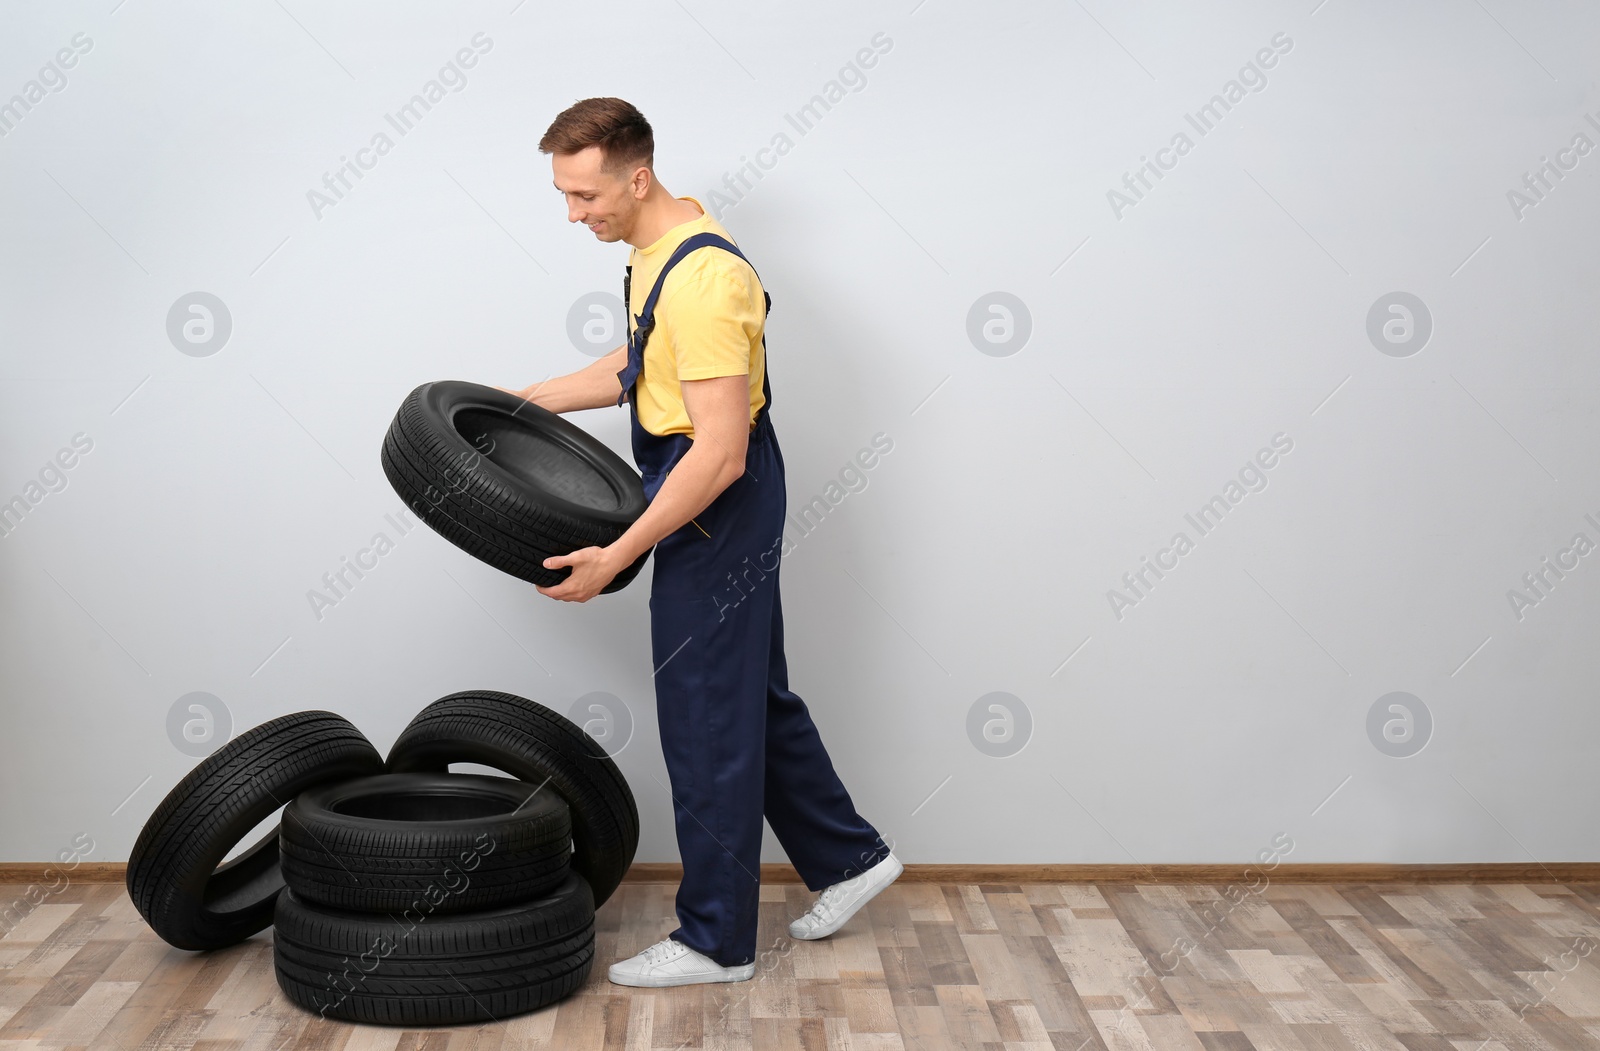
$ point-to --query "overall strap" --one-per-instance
(645, 321)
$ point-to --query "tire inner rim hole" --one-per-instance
(536, 459)
(423, 806)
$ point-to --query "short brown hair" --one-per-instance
(620, 130)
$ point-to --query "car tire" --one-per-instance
(421, 969)
(173, 873)
(529, 741)
(460, 841)
(509, 482)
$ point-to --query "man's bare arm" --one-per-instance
(594, 386)
(719, 408)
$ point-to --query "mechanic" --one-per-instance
(738, 743)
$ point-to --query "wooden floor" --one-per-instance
(1020, 967)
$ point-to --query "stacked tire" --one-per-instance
(430, 898)
(400, 893)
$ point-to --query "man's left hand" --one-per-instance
(592, 569)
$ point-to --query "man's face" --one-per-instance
(607, 204)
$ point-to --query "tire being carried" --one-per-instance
(508, 482)
(413, 968)
(174, 876)
(457, 841)
(529, 741)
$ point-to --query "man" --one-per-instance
(737, 742)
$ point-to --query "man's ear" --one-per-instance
(641, 182)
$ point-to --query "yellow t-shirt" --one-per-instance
(709, 322)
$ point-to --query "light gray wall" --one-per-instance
(1172, 336)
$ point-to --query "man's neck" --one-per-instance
(659, 215)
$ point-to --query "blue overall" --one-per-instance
(738, 744)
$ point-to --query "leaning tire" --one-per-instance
(173, 874)
(395, 841)
(420, 969)
(529, 741)
(508, 482)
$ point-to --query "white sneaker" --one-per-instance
(670, 962)
(838, 903)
